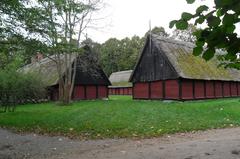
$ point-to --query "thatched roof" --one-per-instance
(120, 78)
(88, 74)
(179, 55)
(45, 68)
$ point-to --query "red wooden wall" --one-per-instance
(171, 89)
(90, 92)
(102, 92)
(187, 89)
(233, 89)
(226, 89)
(141, 91)
(184, 89)
(210, 89)
(218, 89)
(156, 90)
(238, 84)
(120, 90)
(199, 90)
(79, 92)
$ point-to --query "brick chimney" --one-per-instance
(38, 57)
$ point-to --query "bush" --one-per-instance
(18, 88)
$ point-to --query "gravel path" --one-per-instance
(212, 144)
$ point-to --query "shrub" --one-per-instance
(18, 88)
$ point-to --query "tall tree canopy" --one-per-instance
(219, 33)
(118, 55)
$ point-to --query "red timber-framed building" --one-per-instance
(167, 70)
(120, 83)
(90, 80)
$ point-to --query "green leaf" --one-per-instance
(200, 43)
(182, 25)
(205, 34)
(190, 1)
(230, 29)
(187, 16)
(200, 20)
(228, 19)
(197, 51)
(214, 34)
(219, 13)
(213, 21)
(208, 54)
(201, 9)
(234, 47)
(172, 23)
(222, 43)
(221, 3)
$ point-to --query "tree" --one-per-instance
(16, 51)
(11, 47)
(185, 35)
(158, 31)
(119, 55)
(58, 25)
(220, 32)
(10, 53)
(110, 54)
(94, 46)
(131, 48)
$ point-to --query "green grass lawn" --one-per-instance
(121, 116)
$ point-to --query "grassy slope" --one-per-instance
(123, 117)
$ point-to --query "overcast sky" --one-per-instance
(125, 18)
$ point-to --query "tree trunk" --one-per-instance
(60, 90)
(73, 78)
(66, 100)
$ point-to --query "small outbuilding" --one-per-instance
(168, 70)
(120, 83)
(90, 80)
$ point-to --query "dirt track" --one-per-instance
(212, 144)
